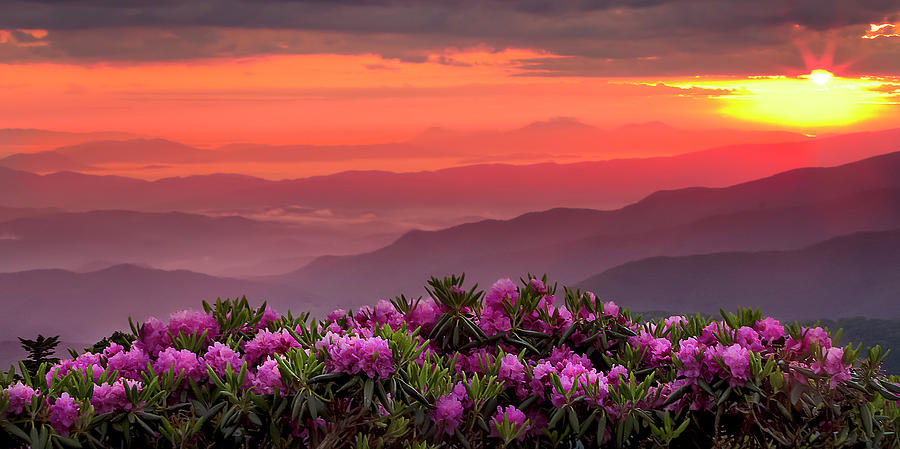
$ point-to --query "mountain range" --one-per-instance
(441, 196)
(85, 307)
(854, 275)
(816, 217)
(784, 211)
(226, 244)
(559, 137)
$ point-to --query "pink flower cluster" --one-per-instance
(449, 409)
(493, 317)
(512, 415)
(64, 413)
(360, 344)
(20, 396)
(267, 343)
(352, 354)
(108, 398)
(180, 362)
(575, 373)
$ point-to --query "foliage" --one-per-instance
(40, 350)
(527, 365)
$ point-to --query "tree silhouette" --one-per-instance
(40, 350)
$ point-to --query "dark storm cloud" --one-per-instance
(603, 37)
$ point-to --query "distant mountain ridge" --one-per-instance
(87, 306)
(853, 275)
(778, 214)
(73, 240)
(543, 139)
(571, 244)
(498, 190)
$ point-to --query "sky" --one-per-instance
(345, 72)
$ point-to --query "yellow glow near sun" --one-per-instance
(817, 100)
(820, 77)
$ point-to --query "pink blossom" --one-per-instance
(353, 354)
(748, 338)
(108, 398)
(769, 329)
(425, 314)
(153, 336)
(19, 397)
(674, 320)
(708, 334)
(538, 286)
(737, 359)
(688, 350)
(269, 316)
(447, 414)
(190, 322)
(59, 370)
(130, 364)
(63, 413)
(493, 317)
(268, 378)
(511, 370)
(833, 364)
(816, 335)
(267, 343)
(513, 415)
(386, 313)
(610, 308)
(612, 377)
(182, 362)
(222, 358)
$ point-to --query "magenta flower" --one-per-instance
(425, 314)
(833, 364)
(268, 378)
(674, 320)
(267, 343)
(153, 336)
(19, 397)
(386, 313)
(220, 357)
(511, 370)
(269, 316)
(108, 398)
(815, 335)
(749, 338)
(538, 286)
(512, 415)
(737, 359)
(610, 308)
(447, 414)
(63, 413)
(130, 364)
(769, 329)
(688, 350)
(181, 362)
(191, 322)
(353, 354)
(493, 316)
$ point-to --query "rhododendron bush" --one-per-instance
(522, 365)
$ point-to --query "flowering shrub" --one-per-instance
(522, 365)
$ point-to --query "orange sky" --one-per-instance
(335, 99)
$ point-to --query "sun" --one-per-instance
(820, 77)
(819, 100)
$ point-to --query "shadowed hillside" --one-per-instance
(87, 306)
(784, 211)
(842, 277)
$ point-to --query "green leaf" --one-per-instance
(368, 392)
(15, 430)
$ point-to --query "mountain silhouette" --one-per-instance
(853, 275)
